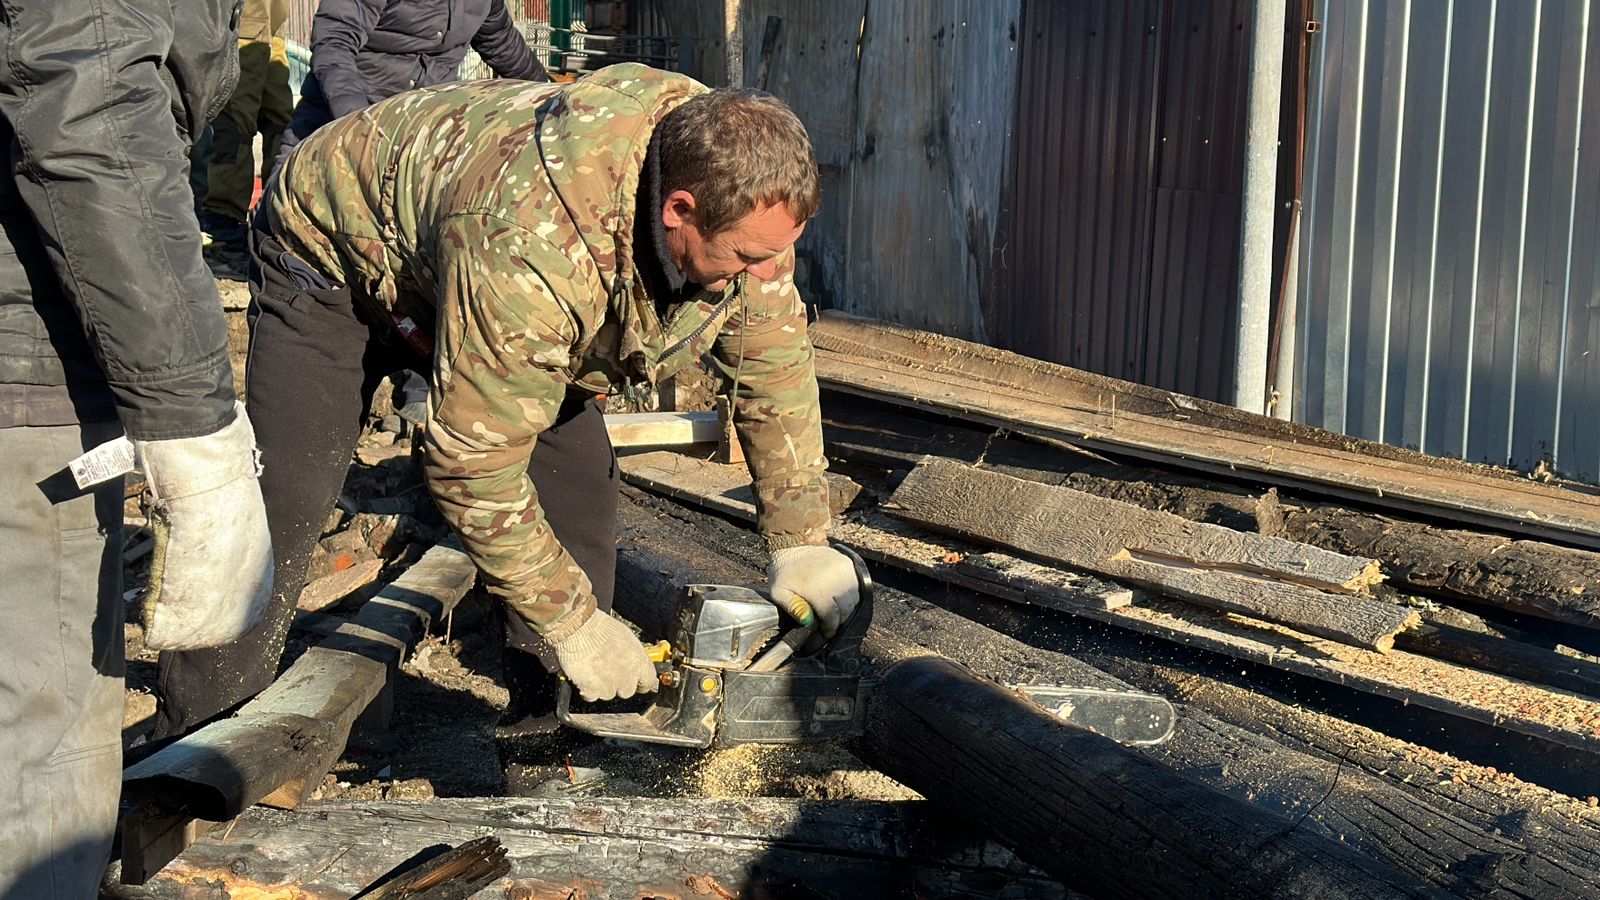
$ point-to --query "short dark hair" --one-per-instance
(736, 148)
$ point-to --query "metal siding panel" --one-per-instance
(1448, 282)
(1580, 376)
(1194, 268)
(1080, 200)
(1543, 321)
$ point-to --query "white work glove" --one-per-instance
(822, 577)
(604, 660)
(211, 572)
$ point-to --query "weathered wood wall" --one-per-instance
(909, 104)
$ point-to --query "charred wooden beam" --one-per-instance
(1473, 831)
(1549, 717)
(1457, 565)
(278, 746)
(1235, 572)
(933, 372)
(622, 847)
(1082, 807)
(727, 490)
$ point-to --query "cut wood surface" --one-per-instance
(726, 489)
(1205, 564)
(331, 589)
(277, 747)
(1476, 832)
(851, 358)
(662, 429)
(613, 847)
(1526, 576)
(1560, 718)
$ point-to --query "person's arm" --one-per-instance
(504, 343)
(502, 47)
(338, 32)
(505, 339)
(102, 168)
(764, 348)
(90, 93)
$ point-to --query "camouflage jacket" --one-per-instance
(498, 217)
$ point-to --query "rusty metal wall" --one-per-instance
(1448, 269)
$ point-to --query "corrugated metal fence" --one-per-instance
(1448, 260)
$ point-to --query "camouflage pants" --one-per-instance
(261, 103)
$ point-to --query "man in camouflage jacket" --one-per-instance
(533, 245)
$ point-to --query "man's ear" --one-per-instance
(677, 209)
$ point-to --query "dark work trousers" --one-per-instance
(313, 367)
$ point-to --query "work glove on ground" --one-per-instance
(603, 659)
(821, 576)
(211, 572)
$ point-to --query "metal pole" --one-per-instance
(1260, 196)
(1283, 386)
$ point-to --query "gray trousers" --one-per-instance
(61, 667)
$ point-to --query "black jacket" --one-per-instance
(363, 51)
(106, 307)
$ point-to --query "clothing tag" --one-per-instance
(103, 463)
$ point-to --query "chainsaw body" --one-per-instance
(730, 675)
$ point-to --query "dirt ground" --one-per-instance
(450, 693)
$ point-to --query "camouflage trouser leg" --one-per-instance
(258, 98)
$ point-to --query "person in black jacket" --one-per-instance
(112, 338)
(363, 51)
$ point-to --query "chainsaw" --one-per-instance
(730, 675)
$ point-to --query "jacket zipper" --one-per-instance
(706, 323)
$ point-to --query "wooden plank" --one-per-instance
(225, 767)
(662, 429)
(615, 847)
(1475, 832)
(1525, 576)
(277, 747)
(1548, 715)
(455, 874)
(156, 837)
(1520, 506)
(1505, 656)
(726, 490)
(1532, 577)
(1205, 564)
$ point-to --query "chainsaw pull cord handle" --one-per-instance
(796, 638)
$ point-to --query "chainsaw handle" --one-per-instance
(796, 638)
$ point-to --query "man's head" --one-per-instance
(738, 184)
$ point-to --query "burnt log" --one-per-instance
(1473, 831)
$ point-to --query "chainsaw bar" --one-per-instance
(1125, 716)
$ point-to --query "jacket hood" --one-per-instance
(593, 148)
